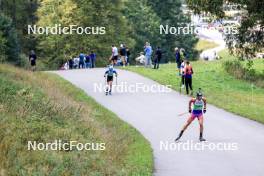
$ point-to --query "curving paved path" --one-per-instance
(156, 116)
(212, 36)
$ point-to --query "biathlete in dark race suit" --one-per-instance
(109, 74)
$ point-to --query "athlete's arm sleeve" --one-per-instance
(204, 99)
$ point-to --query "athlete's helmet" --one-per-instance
(199, 93)
(111, 68)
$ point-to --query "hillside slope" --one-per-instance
(43, 107)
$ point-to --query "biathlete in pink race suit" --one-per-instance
(199, 108)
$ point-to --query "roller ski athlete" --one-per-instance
(109, 75)
(199, 108)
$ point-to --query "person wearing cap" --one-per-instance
(178, 59)
(109, 74)
(197, 107)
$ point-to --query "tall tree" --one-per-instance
(144, 24)
(22, 13)
(171, 14)
(94, 13)
(8, 40)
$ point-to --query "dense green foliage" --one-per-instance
(144, 24)
(9, 47)
(22, 13)
(245, 71)
(132, 22)
(58, 48)
(171, 14)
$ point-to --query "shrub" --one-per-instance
(236, 69)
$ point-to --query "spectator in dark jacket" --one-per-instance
(178, 59)
(128, 55)
(158, 56)
(87, 61)
(123, 54)
(93, 58)
(32, 59)
(71, 63)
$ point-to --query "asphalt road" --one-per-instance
(234, 147)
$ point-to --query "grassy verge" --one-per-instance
(43, 107)
(220, 88)
(249, 70)
(258, 63)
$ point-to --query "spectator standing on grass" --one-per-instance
(114, 55)
(123, 54)
(148, 53)
(87, 61)
(93, 58)
(32, 59)
(71, 63)
(183, 64)
(158, 56)
(183, 54)
(128, 56)
(76, 62)
(81, 60)
(178, 59)
(188, 72)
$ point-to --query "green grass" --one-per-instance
(43, 107)
(240, 70)
(258, 63)
(204, 45)
(220, 88)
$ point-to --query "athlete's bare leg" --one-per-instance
(201, 124)
(201, 128)
(109, 87)
(189, 121)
